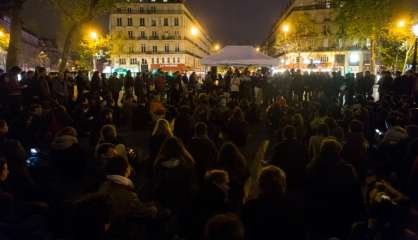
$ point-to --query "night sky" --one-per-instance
(228, 21)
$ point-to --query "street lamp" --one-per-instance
(257, 49)
(94, 36)
(194, 31)
(415, 31)
(217, 47)
(285, 28)
(401, 24)
(1, 34)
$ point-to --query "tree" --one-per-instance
(13, 8)
(75, 14)
(365, 19)
(88, 49)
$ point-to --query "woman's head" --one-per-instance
(217, 177)
(238, 114)
(118, 165)
(231, 159)
(171, 148)
(330, 152)
(108, 133)
(162, 126)
(272, 181)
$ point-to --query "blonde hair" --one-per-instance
(162, 126)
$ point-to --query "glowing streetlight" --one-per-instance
(286, 28)
(401, 24)
(94, 36)
(415, 32)
(257, 49)
(1, 33)
(217, 47)
(194, 31)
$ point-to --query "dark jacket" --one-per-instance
(127, 208)
(291, 156)
(269, 217)
(333, 199)
(238, 132)
(174, 184)
(204, 152)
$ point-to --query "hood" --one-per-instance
(63, 142)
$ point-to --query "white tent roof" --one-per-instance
(239, 56)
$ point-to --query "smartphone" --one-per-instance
(19, 77)
(378, 132)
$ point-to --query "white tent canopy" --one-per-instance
(239, 56)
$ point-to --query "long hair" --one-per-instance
(174, 148)
(231, 159)
(330, 153)
(162, 126)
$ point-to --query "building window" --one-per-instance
(130, 22)
(152, 60)
(143, 35)
(174, 60)
(131, 49)
(177, 49)
(153, 23)
(153, 9)
(134, 61)
(141, 10)
(168, 60)
(158, 61)
(122, 61)
(167, 48)
(340, 59)
(162, 60)
(129, 10)
(178, 60)
(143, 48)
(142, 22)
(324, 59)
(154, 49)
(166, 22)
(176, 22)
(130, 34)
(154, 35)
(119, 22)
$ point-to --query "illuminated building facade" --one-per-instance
(307, 37)
(34, 51)
(157, 34)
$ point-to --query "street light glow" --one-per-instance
(217, 47)
(1, 33)
(401, 23)
(286, 28)
(415, 30)
(257, 49)
(94, 35)
(194, 31)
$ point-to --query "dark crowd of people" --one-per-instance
(243, 155)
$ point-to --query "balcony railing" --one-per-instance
(135, 11)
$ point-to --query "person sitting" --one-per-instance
(91, 217)
(203, 150)
(290, 155)
(231, 160)
(224, 227)
(271, 212)
(332, 192)
(126, 205)
(212, 199)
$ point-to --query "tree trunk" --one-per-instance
(15, 36)
(67, 47)
(373, 52)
